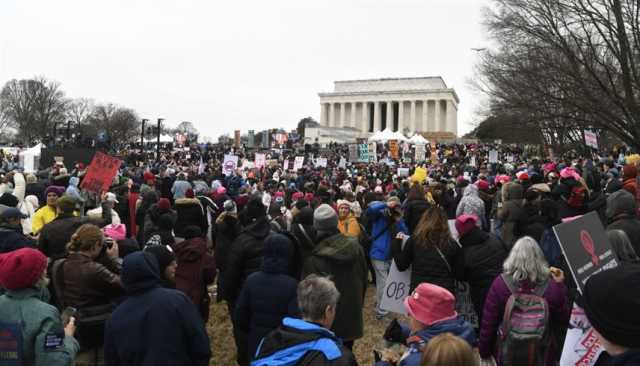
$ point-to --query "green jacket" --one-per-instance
(43, 339)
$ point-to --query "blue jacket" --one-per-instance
(299, 342)
(154, 325)
(382, 232)
(416, 342)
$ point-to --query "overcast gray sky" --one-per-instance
(228, 65)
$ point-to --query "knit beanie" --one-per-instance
(230, 206)
(164, 204)
(465, 223)
(163, 254)
(325, 218)
(8, 199)
(255, 208)
(22, 268)
(58, 190)
(611, 302)
(192, 231)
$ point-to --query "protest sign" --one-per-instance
(591, 139)
(321, 162)
(363, 153)
(581, 346)
(100, 173)
(472, 162)
(297, 164)
(260, 161)
(586, 247)
(396, 288)
(420, 153)
(373, 154)
(403, 172)
(493, 156)
(394, 148)
(229, 164)
(419, 175)
(353, 153)
(464, 303)
(342, 164)
(285, 164)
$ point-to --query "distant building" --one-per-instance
(410, 105)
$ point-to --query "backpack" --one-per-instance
(524, 335)
(577, 196)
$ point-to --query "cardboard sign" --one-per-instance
(586, 247)
(394, 148)
(353, 153)
(229, 164)
(261, 161)
(591, 139)
(581, 346)
(298, 163)
(396, 288)
(493, 156)
(363, 153)
(472, 162)
(100, 173)
(420, 153)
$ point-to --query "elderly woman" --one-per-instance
(27, 320)
(526, 270)
(307, 341)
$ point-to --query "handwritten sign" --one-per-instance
(100, 174)
(394, 148)
(229, 164)
(298, 163)
(420, 153)
(321, 163)
(464, 304)
(373, 154)
(353, 153)
(396, 288)
(363, 153)
(261, 161)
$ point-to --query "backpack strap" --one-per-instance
(304, 232)
(446, 262)
(515, 288)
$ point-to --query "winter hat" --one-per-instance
(325, 218)
(189, 193)
(393, 201)
(549, 167)
(430, 304)
(230, 206)
(523, 175)
(163, 254)
(629, 172)
(277, 254)
(115, 231)
(344, 203)
(569, 172)
(164, 204)
(482, 185)
(503, 179)
(192, 231)
(148, 176)
(464, 223)
(309, 197)
(221, 190)
(297, 196)
(301, 204)
(22, 268)
(255, 209)
(8, 199)
(66, 204)
(58, 190)
(611, 302)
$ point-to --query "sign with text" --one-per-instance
(586, 247)
(581, 346)
(261, 161)
(363, 153)
(591, 139)
(396, 288)
(493, 157)
(229, 164)
(394, 148)
(420, 153)
(353, 153)
(343, 163)
(100, 174)
(285, 165)
(373, 154)
(298, 163)
(321, 162)
(464, 304)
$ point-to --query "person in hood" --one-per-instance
(72, 189)
(196, 269)
(622, 247)
(189, 211)
(268, 295)
(415, 206)
(153, 325)
(621, 215)
(512, 214)
(307, 341)
(347, 222)
(166, 263)
(343, 259)
(471, 204)
(11, 234)
(432, 312)
(180, 187)
(302, 228)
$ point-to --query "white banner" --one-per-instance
(343, 163)
(229, 165)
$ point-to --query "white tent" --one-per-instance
(398, 136)
(164, 138)
(30, 158)
(375, 137)
(418, 140)
(386, 135)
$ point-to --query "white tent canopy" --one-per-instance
(29, 158)
(418, 140)
(386, 135)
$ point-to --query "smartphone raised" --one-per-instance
(67, 314)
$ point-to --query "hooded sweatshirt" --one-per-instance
(471, 204)
(154, 325)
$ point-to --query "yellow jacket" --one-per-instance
(43, 216)
(349, 226)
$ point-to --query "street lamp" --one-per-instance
(144, 120)
(158, 142)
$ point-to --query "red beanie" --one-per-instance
(21, 268)
(483, 185)
(164, 204)
(464, 224)
(189, 193)
(148, 176)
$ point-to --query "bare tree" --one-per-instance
(566, 65)
(120, 124)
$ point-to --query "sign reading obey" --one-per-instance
(586, 247)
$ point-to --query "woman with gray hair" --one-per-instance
(307, 341)
(526, 270)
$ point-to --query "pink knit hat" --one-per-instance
(569, 172)
(115, 231)
(464, 223)
(430, 304)
(297, 196)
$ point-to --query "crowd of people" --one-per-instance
(126, 277)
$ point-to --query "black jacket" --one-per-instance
(342, 258)
(302, 228)
(413, 211)
(481, 262)
(55, 235)
(427, 264)
(245, 258)
(620, 212)
(12, 238)
(189, 211)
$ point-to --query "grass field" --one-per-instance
(224, 350)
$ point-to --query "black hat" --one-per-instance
(611, 303)
(163, 254)
(255, 208)
(8, 199)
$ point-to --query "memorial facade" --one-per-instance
(410, 105)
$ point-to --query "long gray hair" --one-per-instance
(526, 262)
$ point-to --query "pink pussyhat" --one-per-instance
(115, 231)
(569, 172)
(430, 304)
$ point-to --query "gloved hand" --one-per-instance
(393, 333)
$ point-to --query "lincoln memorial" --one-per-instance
(410, 105)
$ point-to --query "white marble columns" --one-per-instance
(425, 115)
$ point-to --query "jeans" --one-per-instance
(382, 271)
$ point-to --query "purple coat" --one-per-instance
(499, 293)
